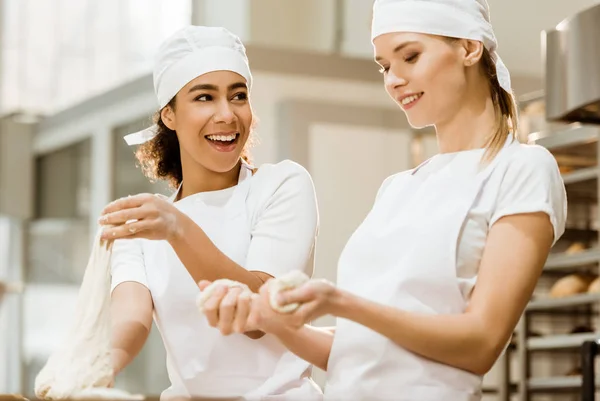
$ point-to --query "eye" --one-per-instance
(384, 70)
(412, 58)
(204, 98)
(240, 96)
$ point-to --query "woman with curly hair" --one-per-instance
(226, 220)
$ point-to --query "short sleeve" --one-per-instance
(284, 232)
(127, 263)
(532, 183)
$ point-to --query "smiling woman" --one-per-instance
(225, 220)
(213, 117)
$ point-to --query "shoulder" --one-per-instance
(285, 175)
(532, 157)
(529, 163)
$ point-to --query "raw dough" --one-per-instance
(208, 291)
(81, 367)
(288, 281)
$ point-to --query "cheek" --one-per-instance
(245, 117)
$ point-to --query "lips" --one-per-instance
(407, 101)
(223, 141)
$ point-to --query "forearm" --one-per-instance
(313, 344)
(204, 261)
(457, 340)
(131, 321)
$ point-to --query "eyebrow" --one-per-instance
(398, 48)
(211, 87)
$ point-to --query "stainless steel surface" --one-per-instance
(566, 302)
(564, 341)
(571, 135)
(566, 261)
(572, 61)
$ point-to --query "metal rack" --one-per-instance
(576, 145)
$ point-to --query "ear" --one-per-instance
(167, 115)
(473, 51)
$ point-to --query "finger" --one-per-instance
(242, 311)
(128, 202)
(227, 310)
(211, 306)
(305, 313)
(122, 216)
(304, 293)
(202, 284)
(127, 231)
(254, 322)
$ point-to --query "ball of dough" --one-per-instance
(286, 282)
(594, 286)
(569, 285)
(208, 291)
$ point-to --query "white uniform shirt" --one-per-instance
(531, 183)
(282, 220)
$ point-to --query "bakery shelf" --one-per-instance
(584, 174)
(542, 384)
(566, 261)
(566, 302)
(563, 341)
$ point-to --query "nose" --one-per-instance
(393, 80)
(224, 113)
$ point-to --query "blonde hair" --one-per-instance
(505, 109)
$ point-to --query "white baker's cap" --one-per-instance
(464, 19)
(188, 53)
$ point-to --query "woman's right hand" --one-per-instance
(234, 311)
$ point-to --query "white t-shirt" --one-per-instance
(529, 182)
(282, 220)
(282, 209)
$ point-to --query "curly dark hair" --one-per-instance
(160, 158)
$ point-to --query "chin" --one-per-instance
(223, 163)
(419, 123)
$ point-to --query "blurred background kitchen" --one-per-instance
(75, 76)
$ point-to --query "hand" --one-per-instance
(228, 308)
(140, 216)
(316, 298)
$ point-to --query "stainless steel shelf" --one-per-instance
(555, 383)
(583, 174)
(564, 341)
(556, 303)
(573, 134)
(564, 261)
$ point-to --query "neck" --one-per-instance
(197, 178)
(470, 127)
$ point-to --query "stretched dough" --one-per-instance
(208, 291)
(288, 281)
(81, 367)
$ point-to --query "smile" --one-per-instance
(223, 142)
(409, 101)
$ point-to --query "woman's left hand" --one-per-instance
(140, 216)
(316, 297)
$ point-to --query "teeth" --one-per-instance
(409, 99)
(224, 138)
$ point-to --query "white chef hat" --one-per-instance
(188, 53)
(465, 19)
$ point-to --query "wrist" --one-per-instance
(177, 228)
(339, 303)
